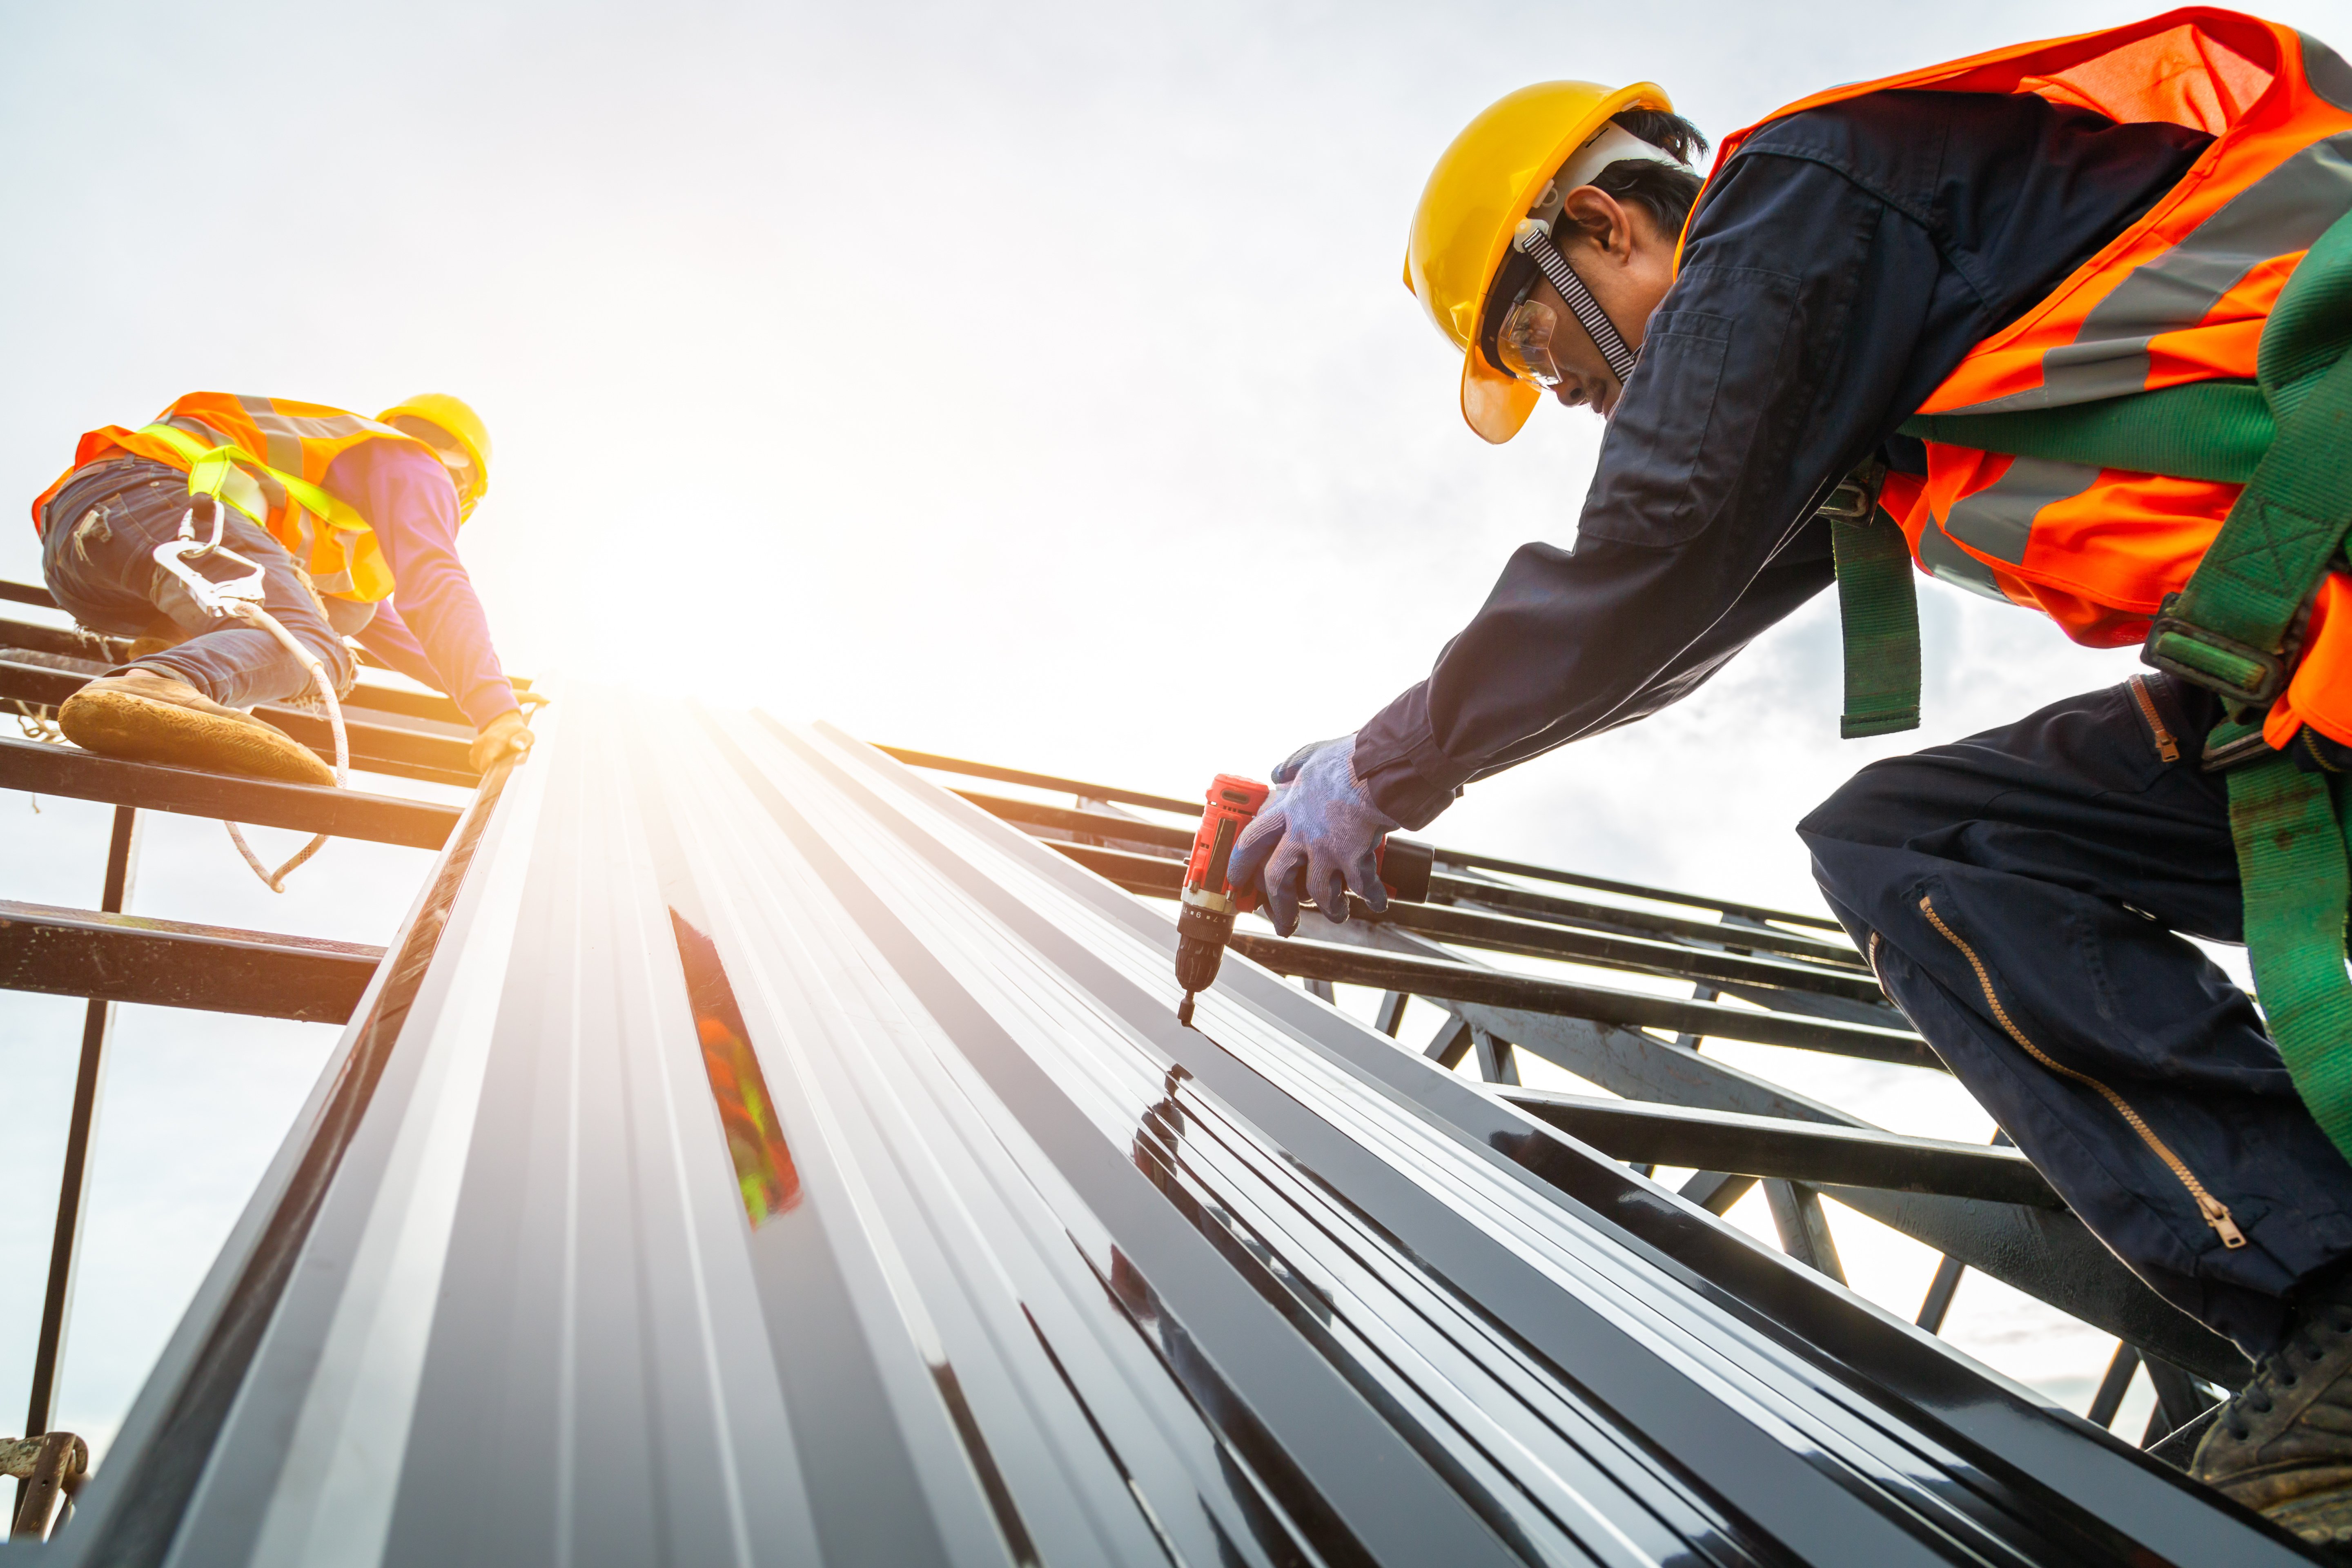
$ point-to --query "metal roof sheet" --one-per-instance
(752, 1152)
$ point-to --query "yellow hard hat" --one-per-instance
(464, 425)
(1480, 188)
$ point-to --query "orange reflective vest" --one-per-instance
(267, 458)
(2180, 296)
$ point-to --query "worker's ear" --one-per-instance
(1600, 219)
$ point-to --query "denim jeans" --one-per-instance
(2025, 895)
(98, 552)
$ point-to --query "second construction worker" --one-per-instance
(354, 524)
(2065, 324)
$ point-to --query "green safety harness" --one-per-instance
(2236, 628)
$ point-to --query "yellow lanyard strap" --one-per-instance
(214, 471)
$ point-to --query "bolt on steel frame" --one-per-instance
(749, 1149)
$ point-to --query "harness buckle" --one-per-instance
(1856, 497)
(2242, 675)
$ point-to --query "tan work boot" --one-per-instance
(2283, 1445)
(143, 717)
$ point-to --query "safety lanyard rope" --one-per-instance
(1533, 241)
(241, 598)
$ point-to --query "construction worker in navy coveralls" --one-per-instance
(2020, 893)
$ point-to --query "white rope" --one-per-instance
(36, 723)
(276, 880)
(241, 597)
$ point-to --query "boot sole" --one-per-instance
(140, 730)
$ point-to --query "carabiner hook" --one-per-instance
(188, 524)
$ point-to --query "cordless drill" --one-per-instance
(1205, 920)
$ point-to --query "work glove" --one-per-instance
(507, 734)
(1317, 836)
(531, 702)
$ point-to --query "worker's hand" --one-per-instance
(531, 701)
(503, 735)
(1315, 835)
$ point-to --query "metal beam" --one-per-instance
(40, 768)
(1452, 858)
(1771, 1146)
(1676, 960)
(104, 651)
(170, 963)
(1640, 923)
(1845, 995)
(1446, 981)
(971, 770)
(2109, 1400)
(378, 748)
(2047, 1253)
(1936, 1304)
(1804, 1227)
(1456, 858)
(73, 1178)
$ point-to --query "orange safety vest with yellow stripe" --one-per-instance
(2180, 297)
(267, 458)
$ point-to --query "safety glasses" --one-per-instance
(1525, 337)
(1523, 342)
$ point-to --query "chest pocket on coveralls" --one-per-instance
(1665, 467)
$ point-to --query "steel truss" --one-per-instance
(749, 1150)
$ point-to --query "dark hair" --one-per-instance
(1664, 194)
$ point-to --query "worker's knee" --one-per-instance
(1887, 804)
(1859, 838)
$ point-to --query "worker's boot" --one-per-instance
(2283, 1445)
(144, 717)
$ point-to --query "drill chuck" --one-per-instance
(1200, 938)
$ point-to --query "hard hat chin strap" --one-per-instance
(1533, 239)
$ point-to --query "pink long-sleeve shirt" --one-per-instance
(431, 630)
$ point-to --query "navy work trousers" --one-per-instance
(2024, 896)
(97, 553)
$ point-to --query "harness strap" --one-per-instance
(1878, 609)
(2234, 628)
(2215, 430)
(215, 471)
(2293, 873)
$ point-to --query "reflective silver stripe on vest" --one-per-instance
(1948, 563)
(283, 448)
(2280, 213)
(284, 432)
(1998, 520)
(2325, 72)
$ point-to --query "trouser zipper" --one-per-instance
(2215, 1212)
(2166, 746)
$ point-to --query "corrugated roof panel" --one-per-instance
(781, 1161)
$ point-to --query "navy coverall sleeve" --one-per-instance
(1838, 268)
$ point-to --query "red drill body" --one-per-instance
(1204, 920)
(1209, 903)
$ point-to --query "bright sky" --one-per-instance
(1032, 382)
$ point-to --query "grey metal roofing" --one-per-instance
(749, 1153)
